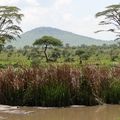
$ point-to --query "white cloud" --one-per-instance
(32, 2)
(34, 17)
(67, 17)
(9, 2)
(62, 3)
(87, 26)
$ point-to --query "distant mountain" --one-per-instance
(67, 37)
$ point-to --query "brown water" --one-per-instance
(106, 112)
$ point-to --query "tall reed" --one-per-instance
(60, 85)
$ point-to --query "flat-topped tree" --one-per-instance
(10, 17)
(47, 41)
(111, 17)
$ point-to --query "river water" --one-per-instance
(105, 112)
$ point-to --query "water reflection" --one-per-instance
(106, 112)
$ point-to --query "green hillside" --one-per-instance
(67, 37)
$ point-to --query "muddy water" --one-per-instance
(106, 112)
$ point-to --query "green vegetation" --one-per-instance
(60, 85)
(47, 41)
(52, 74)
(30, 80)
(9, 18)
(106, 54)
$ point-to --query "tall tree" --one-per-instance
(47, 41)
(111, 16)
(10, 18)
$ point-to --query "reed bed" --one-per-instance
(60, 85)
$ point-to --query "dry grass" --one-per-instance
(59, 85)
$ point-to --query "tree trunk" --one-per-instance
(45, 52)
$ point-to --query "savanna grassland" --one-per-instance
(50, 73)
(86, 75)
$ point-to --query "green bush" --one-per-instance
(113, 93)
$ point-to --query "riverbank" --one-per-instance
(60, 85)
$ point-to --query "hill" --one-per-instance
(67, 37)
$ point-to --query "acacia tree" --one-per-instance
(10, 17)
(47, 41)
(111, 17)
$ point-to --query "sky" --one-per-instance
(77, 16)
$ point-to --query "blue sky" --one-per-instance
(77, 16)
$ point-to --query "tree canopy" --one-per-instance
(111, 16)
(47, 41)
(10, 17)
